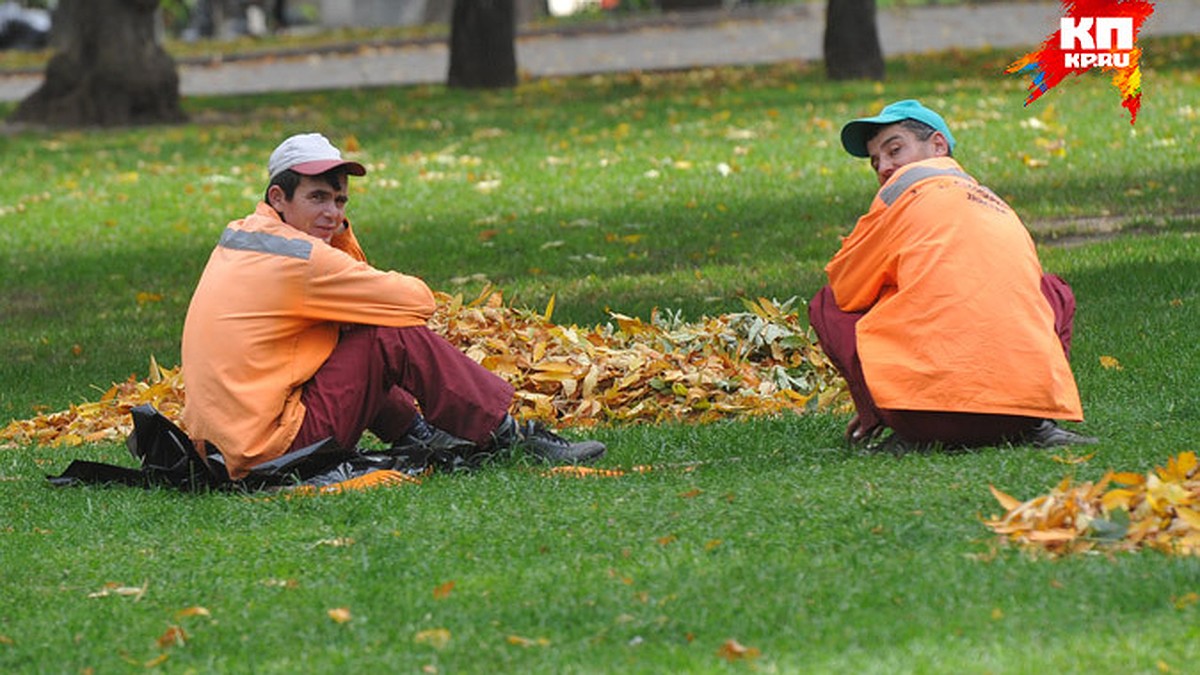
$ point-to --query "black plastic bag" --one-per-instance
(168, 458)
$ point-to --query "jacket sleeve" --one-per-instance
(346, 242)
(345, 290)
(863, 271)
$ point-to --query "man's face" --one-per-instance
(316, 207)
(895, 145)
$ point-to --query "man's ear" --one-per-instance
(276, 197)
(941, 147)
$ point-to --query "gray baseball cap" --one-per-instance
(309, 155)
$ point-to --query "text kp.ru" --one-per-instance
(1089, 42)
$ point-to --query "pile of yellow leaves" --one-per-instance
(105, 420)
(760, 362)
(1154, 510)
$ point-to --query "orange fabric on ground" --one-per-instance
(956, 320)
(264, 317)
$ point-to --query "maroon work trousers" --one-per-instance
(836, 332)
(377, 376)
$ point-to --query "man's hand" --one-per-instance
(857, 433)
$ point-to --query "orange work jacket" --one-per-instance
(265, 315)
(955, 318)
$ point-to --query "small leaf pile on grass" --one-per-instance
(1154, 510)
(759, 362)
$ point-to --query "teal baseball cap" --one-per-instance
(856, 132)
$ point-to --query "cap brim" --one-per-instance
(319, 167)
(856, 133)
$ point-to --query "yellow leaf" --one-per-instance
(437, 638)
(527, 642)
(442, 591)
(157, 661)
(549, 309)
(135, 592)
(336, 542)
(1110, 363)
(555, 367)
(1070, 459)
(733, 650)
(144, 298)
(1117, 499)
(1186, 600)
(1179, 468)
(1189, 516)
(192, 611)
(1055, 535)
(174, 637)
(339, 614)
(1009, 503)
(1129, 478)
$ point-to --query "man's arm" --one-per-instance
(347, 291)
(864, 268)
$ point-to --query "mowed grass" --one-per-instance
(684, 191)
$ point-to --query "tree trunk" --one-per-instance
(108, 70)
(483, 51)
(852, 50)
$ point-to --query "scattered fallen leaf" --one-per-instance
(375, 479)
(1111, 363)
(437, 638)
(733, 650)
(1072, 459)
(336, 542)
(135, 592)
(192, 611)
(442, 591)
(157, 661)
(1187, 600)
(339, 614)
(144, 298)
(175, 636)
(528, 642)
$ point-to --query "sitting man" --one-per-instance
(291, 337)
(937, 311)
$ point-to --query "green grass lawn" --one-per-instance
(685, 191)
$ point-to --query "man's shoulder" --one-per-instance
(910, 175)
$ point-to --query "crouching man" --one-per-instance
(937, 312)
